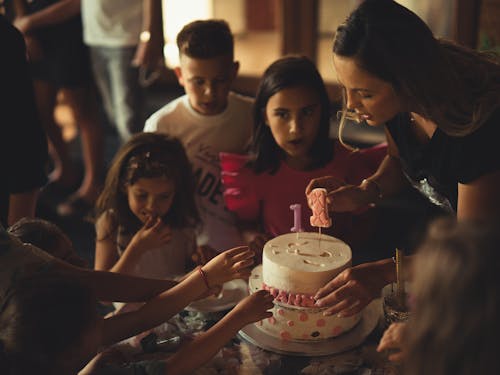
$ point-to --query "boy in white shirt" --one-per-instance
(208, 119)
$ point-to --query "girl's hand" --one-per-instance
(231, 264)
(152, 235)
(393, 340)
(254, 307)
(352, 289)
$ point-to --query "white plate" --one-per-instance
(349, 340)
(232, 292)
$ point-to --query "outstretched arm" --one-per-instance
(206, 345)
(228, 265)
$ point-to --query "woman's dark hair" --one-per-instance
(289, 71)
(454, 326)
(455, 87)
(150, 155)
(42, 318)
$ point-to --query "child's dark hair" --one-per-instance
(205, 39)
(150, 155)
(42, 319)
(289, 71)
(48, 237)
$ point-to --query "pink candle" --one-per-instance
(297, 217)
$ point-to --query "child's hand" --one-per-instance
(152, 235)
(254, 307)
(392, 340)
(231, 264)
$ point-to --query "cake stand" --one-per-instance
(356, 336)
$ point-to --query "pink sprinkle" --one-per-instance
(285, 335)
(271, 320)
(290, 323)
(303, 317)
(321, 323)
(337, 330)
(281, 312)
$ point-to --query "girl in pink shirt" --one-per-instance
(290, 145)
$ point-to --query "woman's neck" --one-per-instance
(424, 128)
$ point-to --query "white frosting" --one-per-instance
(304, 262)
(300, 323)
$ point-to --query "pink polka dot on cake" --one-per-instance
(290, 323)
(337, 330)
(320, 323)
(303, 317)
(281, 312)
(285, 335)
(271, 320)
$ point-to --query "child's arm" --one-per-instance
(109, 286)
(229, 265)
(251, 309)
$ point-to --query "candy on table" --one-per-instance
(317, 201)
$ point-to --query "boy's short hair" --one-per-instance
(205, 39)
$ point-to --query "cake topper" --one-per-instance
(316, 200)
(297, 218)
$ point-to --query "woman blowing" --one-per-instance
(439, 103)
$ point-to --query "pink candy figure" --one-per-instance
(317, 201)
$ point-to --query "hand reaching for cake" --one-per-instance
(254, 307)
(231, 264)
(354, 288)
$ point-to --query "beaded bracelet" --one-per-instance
(203, 276)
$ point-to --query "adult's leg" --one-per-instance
(84, 107)
(63, 172)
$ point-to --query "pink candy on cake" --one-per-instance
(317, 202)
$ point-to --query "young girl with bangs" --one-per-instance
(290, 146)
(146, 212)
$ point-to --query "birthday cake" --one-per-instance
(294, 267)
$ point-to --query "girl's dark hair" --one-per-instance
(42, 318)
(289, 71)
(454, 326)
(150, 155)
(455, 87)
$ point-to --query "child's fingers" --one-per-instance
(235, 251)
(243, 256)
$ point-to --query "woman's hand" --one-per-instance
(393, 339)
(341, 197)
(354, 288)
(254, 307)
(231, 264)
(152, 235)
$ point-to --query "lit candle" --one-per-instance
(297, 218)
